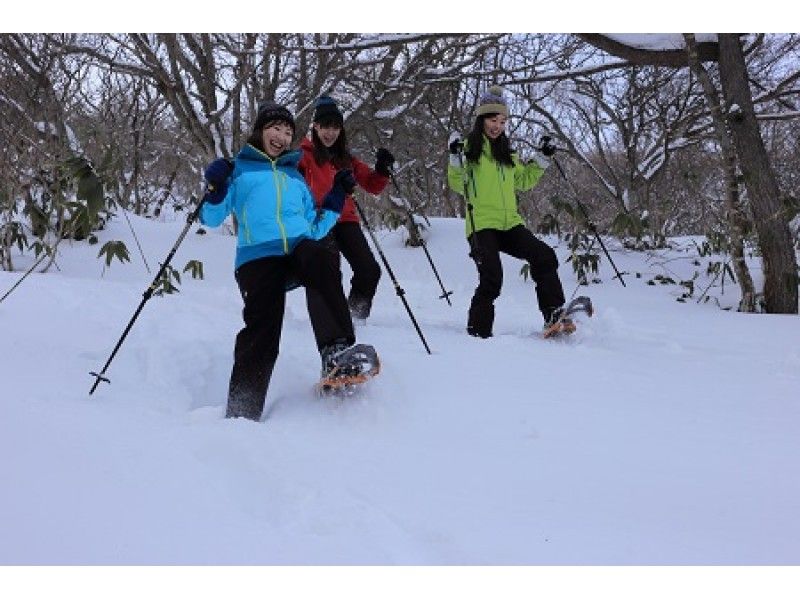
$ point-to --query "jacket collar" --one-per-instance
(289, 158)
(307, 144)
(486, 145)
(486, 150)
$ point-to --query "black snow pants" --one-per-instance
(352, 244)
(520, 243)
(262, 284)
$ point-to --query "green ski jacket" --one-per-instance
(492, 187)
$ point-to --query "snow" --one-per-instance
(658, 41)
(558, 75)
(392, 113)
(661, 433)
(46, 128)
(788, 115)
(73, 142)
(374, 41)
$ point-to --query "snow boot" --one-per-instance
(360, 307)
(328, 355)
(480, 319)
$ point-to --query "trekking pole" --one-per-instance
(24, 276)
(473, 238)
(445, 294)
(398, 289)
(147, 294)
(546, 141)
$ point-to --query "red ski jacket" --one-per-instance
(320, 179)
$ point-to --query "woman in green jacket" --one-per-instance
(487, 170)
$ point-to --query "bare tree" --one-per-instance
(733, 213)
(780, 266)
(148, 111)
(54, 181)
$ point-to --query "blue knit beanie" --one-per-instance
(327, 112)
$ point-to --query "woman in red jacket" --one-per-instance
(325, 153)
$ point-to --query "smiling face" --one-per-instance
(494, 126)
(276, 137)
(328, 134)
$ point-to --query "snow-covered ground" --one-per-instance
(660, 433)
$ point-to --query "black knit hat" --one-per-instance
(269, 111)
(326, 111)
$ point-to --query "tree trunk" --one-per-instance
(736, 226)
(774, 237)
(733, 213)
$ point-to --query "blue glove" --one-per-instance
(217, 174)
(343, 185)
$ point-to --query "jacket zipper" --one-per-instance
(502, 177)
(279, 196)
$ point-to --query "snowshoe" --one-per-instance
(561, 322)
(345, 370)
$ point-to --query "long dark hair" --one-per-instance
(338, 154)
(256, 139)
(501, 147)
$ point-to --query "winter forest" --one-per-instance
(660, 135)
(662, 432)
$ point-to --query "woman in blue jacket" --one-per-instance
(279, 227)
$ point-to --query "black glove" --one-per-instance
(345, 181)
(343, 185)
(384, 161)
(217, 174)
(455, 144)
(547, 148)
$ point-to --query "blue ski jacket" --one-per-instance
(273, 205)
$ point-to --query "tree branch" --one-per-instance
(706, 51)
